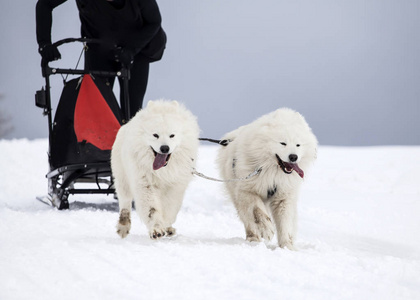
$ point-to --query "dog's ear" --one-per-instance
(150, 104)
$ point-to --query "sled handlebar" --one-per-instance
(46, 70)
(83, 40)
(123, 73)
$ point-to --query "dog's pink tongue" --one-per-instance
(160, 161)
(297, 169)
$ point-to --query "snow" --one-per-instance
(358, 236)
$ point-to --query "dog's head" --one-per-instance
(163, 144)
(288, 156)
(292, 144)
(164, 128)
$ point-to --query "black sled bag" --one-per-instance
(86, 123)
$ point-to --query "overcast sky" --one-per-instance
(352, 68)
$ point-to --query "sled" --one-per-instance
(82, 130)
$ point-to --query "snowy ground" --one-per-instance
(358, 236)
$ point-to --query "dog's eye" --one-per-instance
(172, 136)
(284, 144)
(298, 145)
(156, 135)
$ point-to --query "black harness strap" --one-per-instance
(220, 142)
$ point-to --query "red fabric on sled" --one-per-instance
(94, 121)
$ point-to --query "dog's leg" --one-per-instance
(254, 215)
(149, 209)
(124, 221)
(124, 201)
(284, 212)
(171, 204)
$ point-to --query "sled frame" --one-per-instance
(62, 180)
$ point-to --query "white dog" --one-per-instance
(152, 161)
(282, 146)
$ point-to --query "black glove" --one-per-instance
(125, 56)
(49, 52)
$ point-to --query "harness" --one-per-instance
(220, 142)
(254, 173)
(224, 143)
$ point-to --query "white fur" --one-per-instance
(158, 194)
(255, 146)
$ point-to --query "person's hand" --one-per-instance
(125, 56)
(49, 52)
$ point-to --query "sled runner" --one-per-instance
(82, 132)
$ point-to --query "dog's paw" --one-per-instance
(123, 231)
(157, 233)
(287, 243)
(170, 231)
(264, 228)
(252, 237)
(124, 223)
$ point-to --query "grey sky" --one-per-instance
(352, 68)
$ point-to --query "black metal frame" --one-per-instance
(61, 180)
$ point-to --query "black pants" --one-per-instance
(97, 58)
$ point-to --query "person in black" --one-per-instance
(133, 26)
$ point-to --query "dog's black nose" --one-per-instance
(293, 157)
(164, 149)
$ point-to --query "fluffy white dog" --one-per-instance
(282, 146)
(152, 161)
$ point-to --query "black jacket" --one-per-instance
(133, 25)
